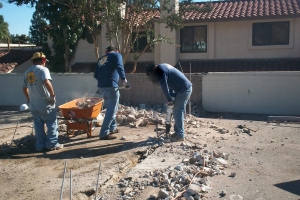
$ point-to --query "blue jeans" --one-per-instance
(111, 102)
(179, 111)
(40, 118)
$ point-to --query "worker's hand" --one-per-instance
(126, 85)
(170, 104)
(52, 100)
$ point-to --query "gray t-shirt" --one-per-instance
(34, 78)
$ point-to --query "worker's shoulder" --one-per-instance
(114, 54)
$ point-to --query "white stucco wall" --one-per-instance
(66, 87)
(274, 93)
(86, 52)
(233, 40)
(225, 40)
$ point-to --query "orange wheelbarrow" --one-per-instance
(81, 113)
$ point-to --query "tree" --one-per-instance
(19, 39)
(126, 22)
(64, 28)
(37, 30)
(139, 20)
(4, 32)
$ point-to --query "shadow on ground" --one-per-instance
(93, 150)
(292, 187)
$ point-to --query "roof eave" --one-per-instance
(240, 19)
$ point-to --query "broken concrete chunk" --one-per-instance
(222, 161)
(233, 174)
(187, 196)
(163, 193)
(192, 160)
(223, 193)
(128, 190)
(246, 130)
(179, 167)
(193, 189)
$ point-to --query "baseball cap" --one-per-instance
(111, 48)
(149, 68)
(38, 55)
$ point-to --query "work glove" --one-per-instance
(170, 104)
(52, 100)
(126, 85)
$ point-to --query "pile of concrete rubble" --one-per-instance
(144, 115)
(188, 180)
(137, 116)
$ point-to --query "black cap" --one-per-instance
(111, 48)
(149, 68)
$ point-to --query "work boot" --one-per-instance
(108, 137)
(56, 147)
(176, 139)
(114, 131)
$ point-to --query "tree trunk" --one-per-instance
(136, 59)
(96, 44)
(134, 67)
(66, 57)
(73, 55)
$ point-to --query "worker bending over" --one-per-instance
(171, 79)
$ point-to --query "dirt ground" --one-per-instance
(266, 160)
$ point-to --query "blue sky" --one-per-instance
(18, 17)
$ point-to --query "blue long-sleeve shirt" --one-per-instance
(172, 79)
(109, 70)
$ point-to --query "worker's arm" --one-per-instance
(165, 88)
(163, 79)
(120, 67)
(26, 93)
(49, 87)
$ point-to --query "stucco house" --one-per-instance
(242, 35)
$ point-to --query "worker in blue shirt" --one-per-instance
(171, 79)
(108, 72)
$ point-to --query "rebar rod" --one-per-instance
(97, 181)
(14, 133)
(62, 185)
(70, 184)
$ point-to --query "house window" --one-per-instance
(141, 43)
(270, 33)
(193, 39)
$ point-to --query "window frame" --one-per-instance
(270, 34)
(181, 39)
(150, 48)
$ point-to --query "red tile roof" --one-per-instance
(217, 65)
(11, 59)
(245, 9)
